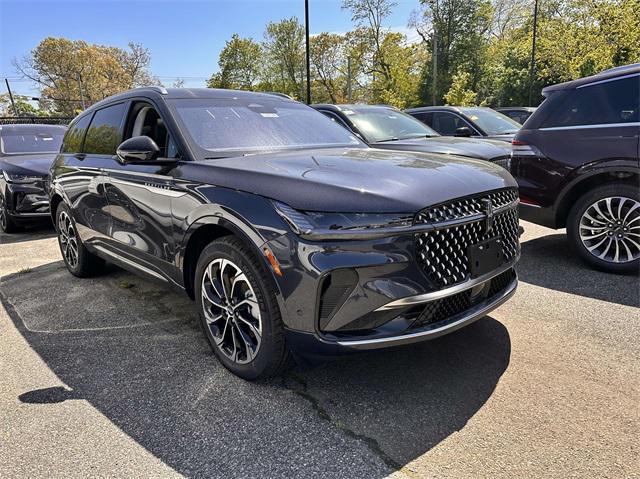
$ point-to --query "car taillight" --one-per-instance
(520, 148)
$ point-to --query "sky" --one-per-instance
(184, 37)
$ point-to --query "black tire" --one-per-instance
(6, 223)
(613, 190)
(86, 264)
(272, 356)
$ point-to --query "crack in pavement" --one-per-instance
(301, 389)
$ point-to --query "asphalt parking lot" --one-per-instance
(112, 377)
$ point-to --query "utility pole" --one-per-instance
(435, 56)
(306, 29)
(81, 92)
(13, 105)
(349, 79)
(533, 52)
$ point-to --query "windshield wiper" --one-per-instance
(390, 139)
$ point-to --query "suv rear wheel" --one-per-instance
(604, 228)
(238, 310)
(79, 261)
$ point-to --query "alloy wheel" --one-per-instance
(610, 229)
(68, 239)
(231, 311)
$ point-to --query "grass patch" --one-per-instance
(25, 270)
(126, 285)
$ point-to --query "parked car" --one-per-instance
(26, 153)
(387, 128)
(467, 121)
(576, 160)
(517, 113)
(291, 234)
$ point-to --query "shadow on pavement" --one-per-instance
(548, 261)
(31, 233)
(150, 371)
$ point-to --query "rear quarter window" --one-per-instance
(75, 135)
(610, 102)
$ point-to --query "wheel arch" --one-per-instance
(585, 182)
(55, 200)
(205, 230)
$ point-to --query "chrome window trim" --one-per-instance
(598, 125)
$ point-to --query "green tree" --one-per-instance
(328, 67)
(462, 29)
(459, 94)
(285, 55)
(59, 66)
(240, 65)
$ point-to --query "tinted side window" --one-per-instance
(73, 139)
(446, 123)
(426, 118)
(616, 101)
(104, 134)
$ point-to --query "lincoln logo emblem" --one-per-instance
(488, 211)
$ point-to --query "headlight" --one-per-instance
(308, 222)
(13, 178)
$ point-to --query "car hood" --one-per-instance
(34, 165)
(469, 147)
(353, 179)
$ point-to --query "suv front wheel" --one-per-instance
(604, 228)
(239, 311)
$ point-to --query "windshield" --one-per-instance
(492, 122)
(385, 124)
(230, 125)
(14, 141)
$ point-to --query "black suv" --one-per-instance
(26, 154)
(289, 233)
(390, 129)
(576, 161)
(467, 121)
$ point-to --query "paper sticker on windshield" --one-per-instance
(474, 117)
(348, 112)
(269, 115)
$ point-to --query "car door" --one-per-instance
(79, 176)
(140, 196)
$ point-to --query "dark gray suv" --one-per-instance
(291, 235)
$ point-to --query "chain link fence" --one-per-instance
(30, 120)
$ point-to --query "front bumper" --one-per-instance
(27, 202)
(384, 295)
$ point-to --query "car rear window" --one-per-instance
(32, 140)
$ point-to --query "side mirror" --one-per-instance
(139, 149)
(463, 131)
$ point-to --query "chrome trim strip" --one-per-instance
(443, 293)
(137, 173)
(583, 127)
(31, 214)
(472, 315)
(129, 262)
(153, 189)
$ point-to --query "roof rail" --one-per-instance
(621, 68)
(160, 89)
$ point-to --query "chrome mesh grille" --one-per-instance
(443, 252)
